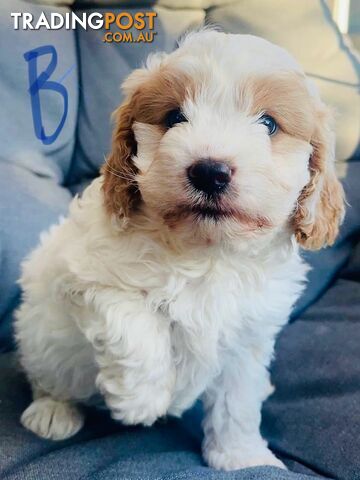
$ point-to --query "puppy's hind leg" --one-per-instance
(50, 418)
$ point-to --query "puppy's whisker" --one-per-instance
(112, 169)
(129, 177)
(123, 177)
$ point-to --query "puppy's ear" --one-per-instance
(121, 194)
(120, 191)
(320, 208)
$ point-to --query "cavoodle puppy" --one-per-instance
(176, 269)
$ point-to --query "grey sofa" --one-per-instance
(313, 420)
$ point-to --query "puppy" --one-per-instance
(175, 271)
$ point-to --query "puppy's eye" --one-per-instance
(174, 117)
(269, 123)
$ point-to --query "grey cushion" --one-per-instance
(19, 144)
(29, 203)
(314, 416)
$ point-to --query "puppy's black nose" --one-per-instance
(209, 176)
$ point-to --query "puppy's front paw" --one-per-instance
(235, 459)
(52, 419)
(141, 404)
(142, 409)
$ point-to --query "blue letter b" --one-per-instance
(42, 82)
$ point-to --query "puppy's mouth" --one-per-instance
(215, 214)
(210, 212)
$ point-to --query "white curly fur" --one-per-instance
(153, 321)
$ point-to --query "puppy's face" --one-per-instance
(225, 140)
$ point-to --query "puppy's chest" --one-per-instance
(209, 308)
(204, 308)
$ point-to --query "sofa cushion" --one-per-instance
(29, 203)
(19, 145)
(315, 412)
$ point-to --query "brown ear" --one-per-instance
(121, 194)
(320, 208)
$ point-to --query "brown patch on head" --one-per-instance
(164, 91)
(284, 96)
(158, 93)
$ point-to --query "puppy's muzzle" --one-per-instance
(209, 176)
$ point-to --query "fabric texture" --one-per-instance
(29, 203)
